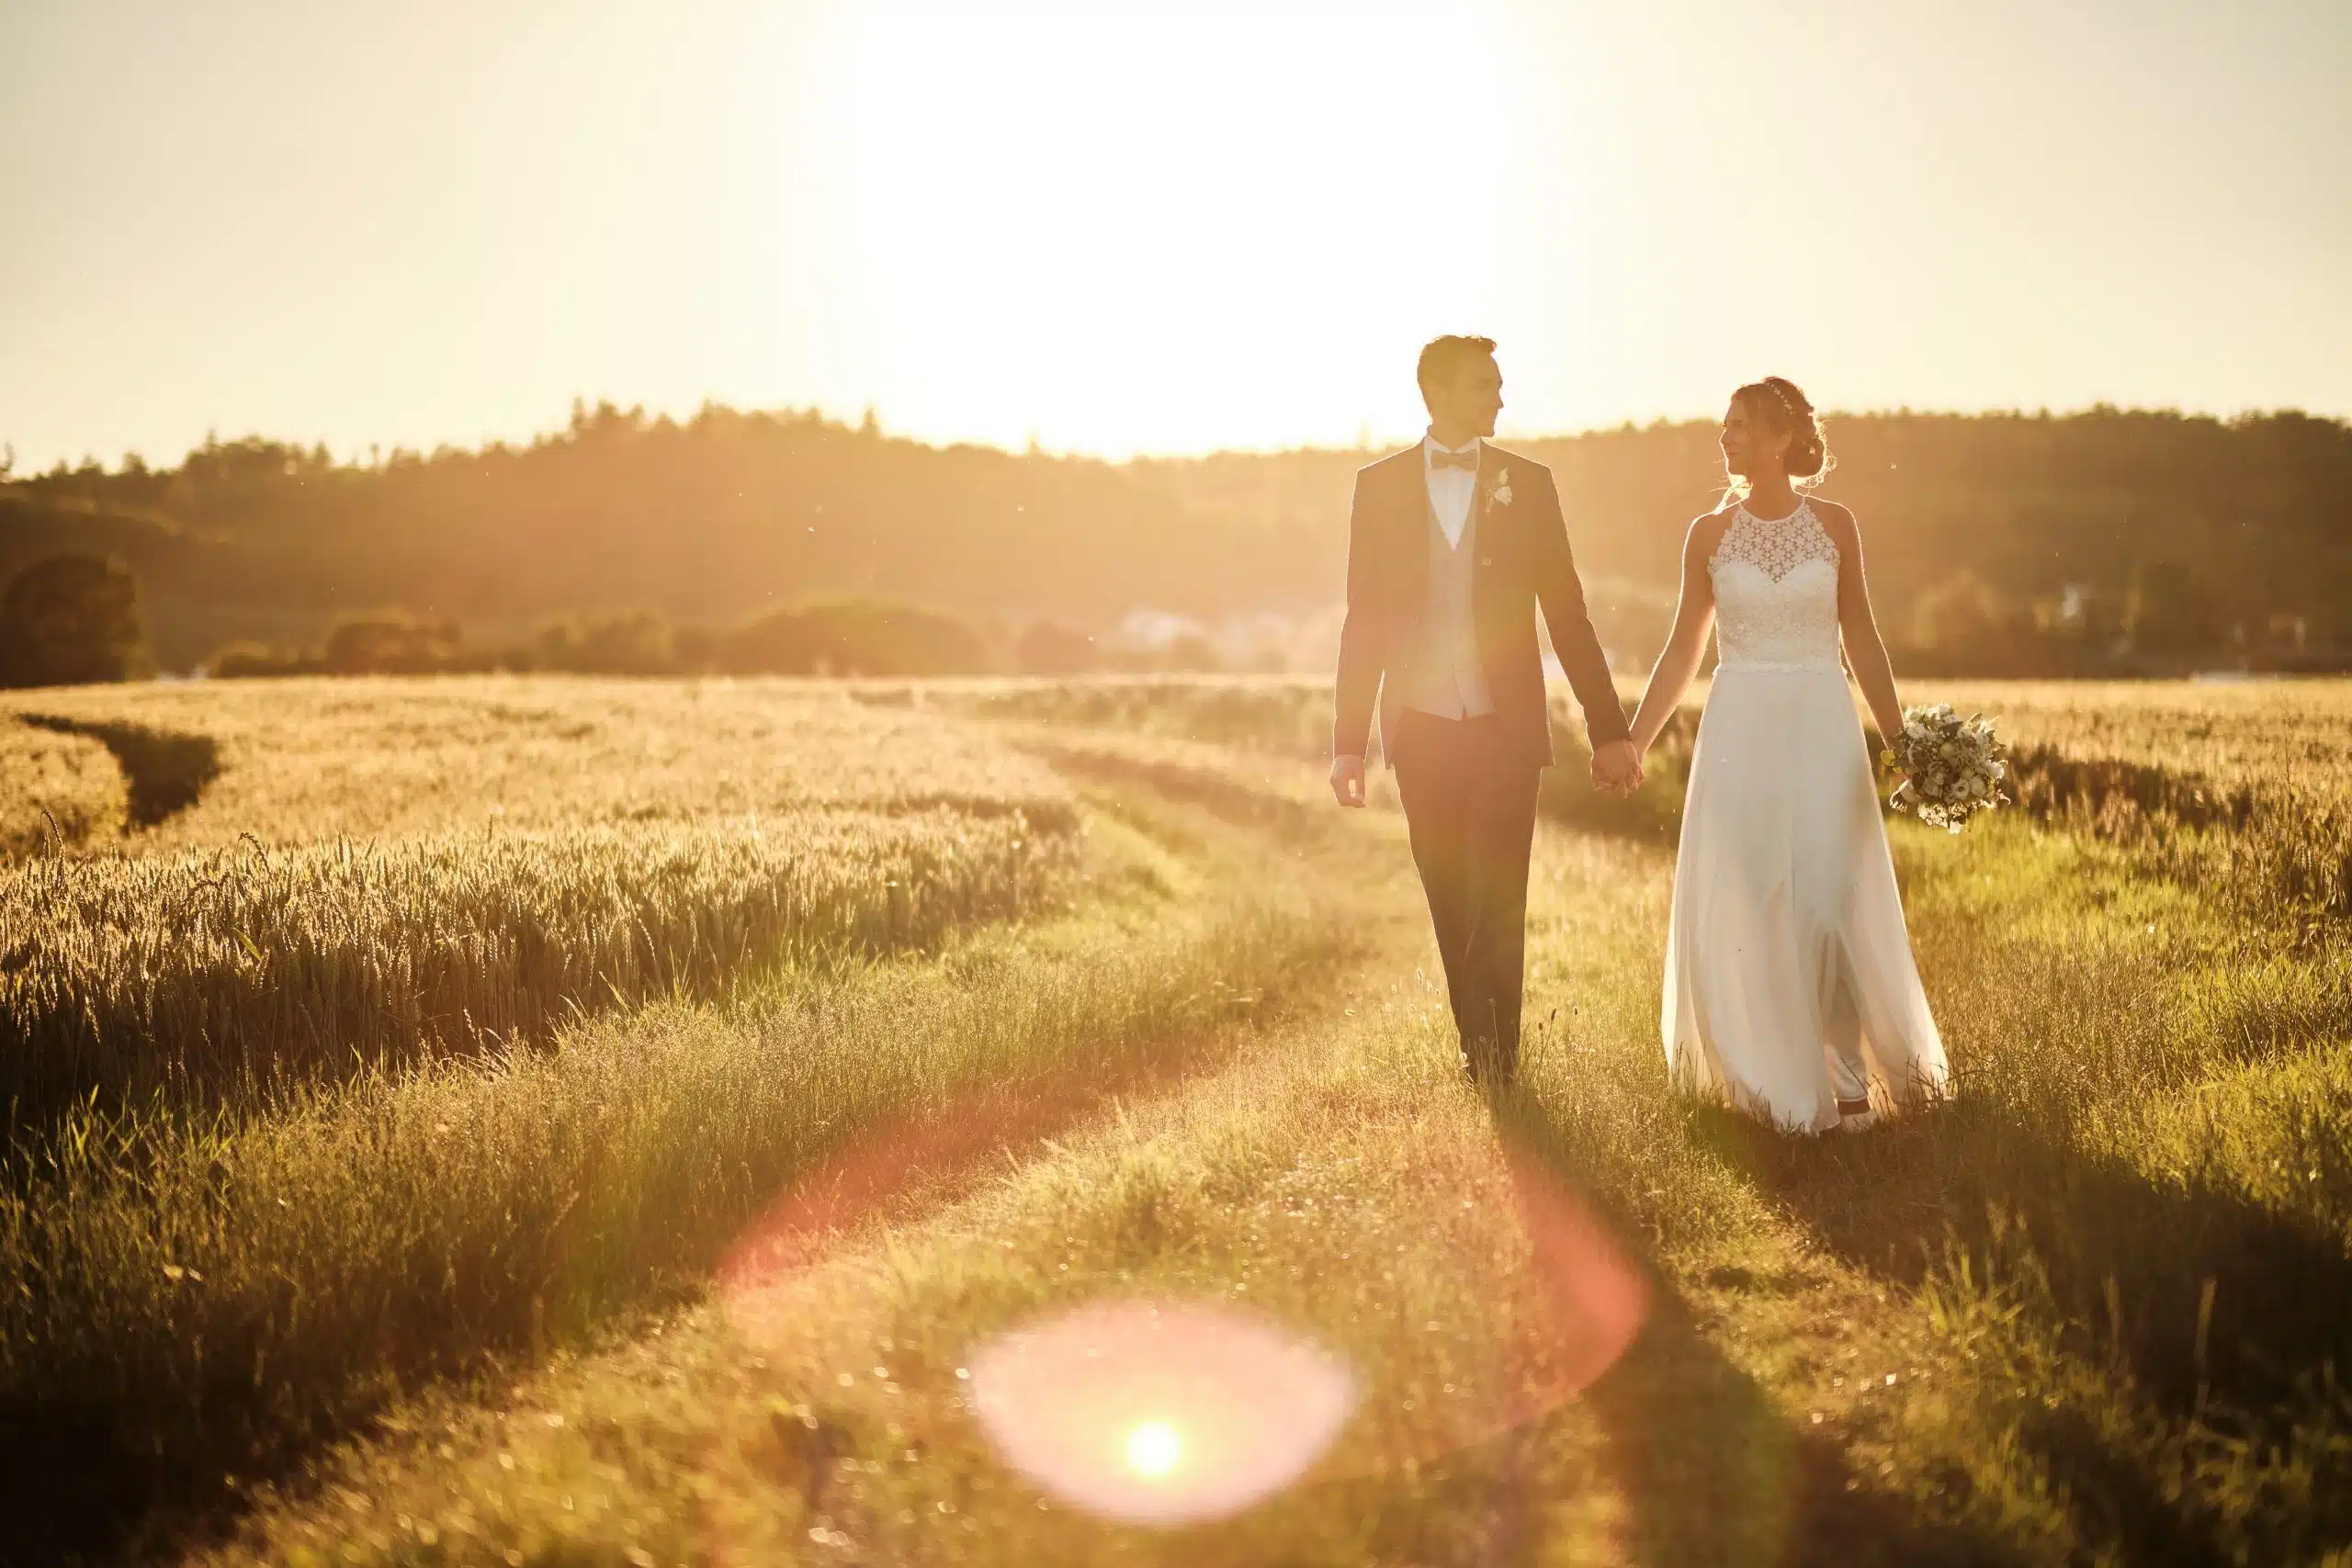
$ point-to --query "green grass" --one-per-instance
(2122, 1245)
(1335, 1179)
(2148, 1087)
(228, 976)
(309, 880)
(2090, 1311)
(2245, 788)
(184, 1302)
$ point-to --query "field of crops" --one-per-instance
(2239, 785)
(547, 1121)
(63, 789)
(309, 762)
(322, 880)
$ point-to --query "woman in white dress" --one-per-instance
(1790, 986)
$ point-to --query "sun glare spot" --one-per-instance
(1160, 1412)
(1154, 1449)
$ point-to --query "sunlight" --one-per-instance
(1154, 1449)
(1220, 249)
(1160, 1412)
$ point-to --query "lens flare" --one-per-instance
(1154, 1449)
(1158, 1411)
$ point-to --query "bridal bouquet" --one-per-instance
(1953, 767)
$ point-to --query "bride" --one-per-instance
(1790, 986)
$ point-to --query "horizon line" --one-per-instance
(869, 423)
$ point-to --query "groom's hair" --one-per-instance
(1443, 358)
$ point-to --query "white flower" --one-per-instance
(1954, 766)
(1500, 494)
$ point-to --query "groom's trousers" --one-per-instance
(1470, 810)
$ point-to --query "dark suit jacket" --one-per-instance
(1523, 561)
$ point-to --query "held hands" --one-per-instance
(1347, 779)
(1617, 768)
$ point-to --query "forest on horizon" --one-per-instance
(2103, 541)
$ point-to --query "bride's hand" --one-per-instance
(1617, 768)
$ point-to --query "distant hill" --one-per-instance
(728, 513)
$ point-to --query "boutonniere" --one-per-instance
(1500, 494)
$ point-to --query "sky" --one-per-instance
(1153, 226)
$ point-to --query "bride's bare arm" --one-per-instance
(1865, 650)
(1694, 616)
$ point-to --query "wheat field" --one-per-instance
(404, 1073)
(361, 878)
(64, 789)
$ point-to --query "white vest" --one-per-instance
(1442, 675)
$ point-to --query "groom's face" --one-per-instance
(1470, 398)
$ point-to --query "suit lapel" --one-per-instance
(1478, 482)
(1413, 545)
(1476, 538)
(1492, 466)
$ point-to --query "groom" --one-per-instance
(1451, 545)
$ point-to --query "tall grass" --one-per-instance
(2245, 788)
(185, 1301)
(2115, 1271)
(319, 877)
(319, 761)
(227, 974)
(57, 791)
(1288, 717)
(2118, 1265)
(1337, 1184)
(1285, 714)
(2296, 733)
(2127, 1240)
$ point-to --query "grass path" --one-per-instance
(185, 1307)
(1336, 1176)
(789, 1403)
(1586, 1322)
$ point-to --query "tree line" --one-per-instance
(825, 636)
(75, 619)
(2103, 541)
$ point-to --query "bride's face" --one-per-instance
(1749, 448)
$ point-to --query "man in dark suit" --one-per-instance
(1452, 545)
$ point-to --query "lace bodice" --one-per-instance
(1776, 591)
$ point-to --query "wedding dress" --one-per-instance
(1788, 978)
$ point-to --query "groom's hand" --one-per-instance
(1347, 779)
(1617, 768)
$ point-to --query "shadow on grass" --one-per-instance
(165, 772)
(2213, 1309)
(1713, 1473)
(1892, 1201)
(80, 1483)
(1711, 1468)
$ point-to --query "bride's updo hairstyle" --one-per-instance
(1778, 404)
